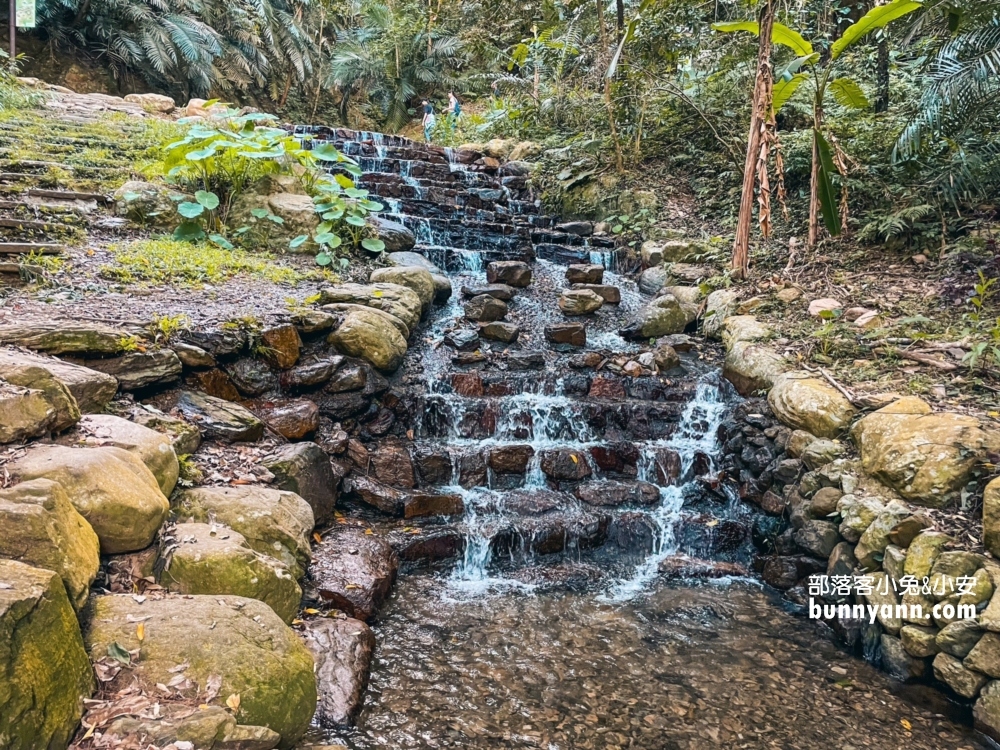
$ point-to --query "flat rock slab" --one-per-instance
(220, 419)
(138, 370)
(343, 649)
(354, 571)
(93, 390)
(305, 469)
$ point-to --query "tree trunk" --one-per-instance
(755, 143)
(882, 74)
(620, 9)
(814, 178)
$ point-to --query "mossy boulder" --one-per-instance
(927, 457)
(151, 447)
(39, 526)
(273, 522)
(396, 236)
(368, 335)
(661, 317)
(923, 553)
(44, 672)
(806, 403)
(214, 559)
(258, 657)
(719, 305)
(63, 338)
(395, 299)
(416, 278)
(92, 390)
(305, 469)
(26, 413)
(183, 436)
(752, 367)
(875, 538)
(148, 203)
(110, 487)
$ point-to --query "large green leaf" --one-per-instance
(783, 91)
(827, 191)
(327, 152)
(190, 210)
(780, 34)
(876, 18)
(207, 199)
(849, 94)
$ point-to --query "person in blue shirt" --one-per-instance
(428, 120)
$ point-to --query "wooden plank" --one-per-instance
(17, 248)
(44, 226)
(67, 195)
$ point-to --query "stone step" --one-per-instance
(68, 195)
(19, 248)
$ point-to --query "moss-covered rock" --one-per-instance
(661, 317)
(416, 278)
(110, 487)
(806, 403)
(148, 203)
(399, 301)
(152, 448)
(875, 539)
(39, 526)
(62, 338)
(44, 672)
(92, 390)
(368, 335)
(183, 436)
(33, 402)
(273, 522)
(243, 641)
(926, 457)
(214, 559)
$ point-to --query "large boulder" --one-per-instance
(395, 299)
(397, 237)
(806, 403)
(354, 571)
(137, 370)
(148, 203)
(152, 102)
(153, 448)
(304, 468)
(343, 649)
(220, 419)
(926, 457)
(661, 317)
(298, 212)
(64, 338)
(240, 641)
(39, 526)
(580, 301)
(749, 365)
(991, 517)
(92, 390)
(875, 538)
(212, 559)
(45, 675)
(719, 305)
(416, 278)
(110, 487)
(514, 273)
(366, 333)
(30, 412)
(485, 308)
(273, 522)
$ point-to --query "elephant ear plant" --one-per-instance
(822, 71)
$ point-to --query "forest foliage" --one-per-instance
(612, 86)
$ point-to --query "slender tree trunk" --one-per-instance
(600, 24)
(814, 178)
(757, 146)
(619, 160)
(882, 74)
(620, 20)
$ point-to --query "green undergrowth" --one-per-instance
(168, 261)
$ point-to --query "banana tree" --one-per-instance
(807, 65)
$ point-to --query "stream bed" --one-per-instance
(680, 666)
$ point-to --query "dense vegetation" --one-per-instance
(911, 152)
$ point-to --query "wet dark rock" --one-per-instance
(433, 465)
(788, 470)
(381, 424)
(469, 384)
(609, 493)
(772, 503)
(429, 545)
(584, 273)
(280, 345)
(573, 576)
(900, 664)
(292, 419)
(498, 331)
(214, 383)
(633, 532)
(423, 504)
(358, 454)
(138, 370)
(252, 377)
(576, 384)
(703, 534)
(765, 530)
(370, 491)
(220, 343)
(220, 419)
(536, 502)
(310, 374)
(464, 340)
(390, 463)
(526, 361)
(353, 571)
(502, 292)
(565, 464)
(341, 406)
(551, 533)
(471, 470)
(818, 538)
(579, 228)
(611, 295)
(666, 466)
(784, 572)
(510, 459)
(842, 561)
(683, 566)
(304, 468)
(342, 649)
(350, 376)
(607, 387)
(468, 358)
(617, 458)
(397, 238)
(485, 308)
(512, 272)
(567, 334)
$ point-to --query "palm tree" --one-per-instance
(391, 55)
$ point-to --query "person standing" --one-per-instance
(428, 120)
(454, 110)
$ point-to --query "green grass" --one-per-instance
(161, 261)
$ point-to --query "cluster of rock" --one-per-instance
(865, 506)
(223, 567)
